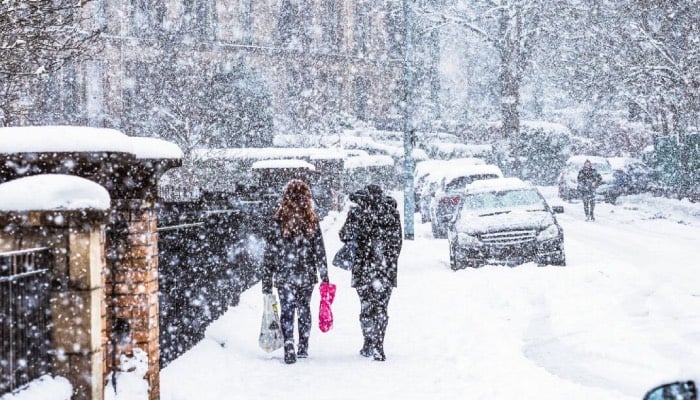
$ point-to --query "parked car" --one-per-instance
(505, 221)
(420, 175)
(681, 390)
(424, 168)
(447, 198)
(434, 180)
(630, 176)
(567, 180)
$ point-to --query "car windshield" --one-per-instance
(488, 202)
(602, 167)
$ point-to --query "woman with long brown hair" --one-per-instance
(294, 257)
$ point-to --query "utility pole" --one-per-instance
(408, 129)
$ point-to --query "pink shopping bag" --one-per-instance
(325, 315)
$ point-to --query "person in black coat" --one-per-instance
(294, 257)
(375, 225)
(588, 181)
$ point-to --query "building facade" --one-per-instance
(315, 60)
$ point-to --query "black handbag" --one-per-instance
(345, 257)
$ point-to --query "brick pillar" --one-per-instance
(132, 287)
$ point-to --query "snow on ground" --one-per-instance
(622, 317)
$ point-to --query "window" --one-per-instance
(146, 17)
(331, 25)
(360, 98)
(362, 27)
(247, 20)
(198, 18)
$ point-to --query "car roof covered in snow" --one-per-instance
(621, 162)
(579, 159)
(469, 170)
(429, 166)
(497, 184)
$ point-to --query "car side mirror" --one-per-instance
(685, 390)
(558, 209)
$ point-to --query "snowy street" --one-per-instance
(620, 318)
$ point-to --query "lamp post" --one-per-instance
(408, 129)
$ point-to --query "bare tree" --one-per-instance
(514, 28)
(36, 38)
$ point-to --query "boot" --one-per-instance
(378, 353)
(366, 349)
(367, 332)
(303, 349)
(289, 356)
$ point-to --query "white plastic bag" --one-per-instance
(270, 330)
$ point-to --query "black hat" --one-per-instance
(359, 197)
(374, 190)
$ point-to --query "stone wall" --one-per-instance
(76, 240)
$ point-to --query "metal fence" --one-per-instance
(206, 260)
(25, 317)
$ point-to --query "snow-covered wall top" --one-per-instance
(59, 139)
(267, 153)
(154, 148)
(353, 139)
(52, 192)
(368, 161)
(283, 164)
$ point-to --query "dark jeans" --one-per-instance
(374, 313)
(295, 299)
(588, 204)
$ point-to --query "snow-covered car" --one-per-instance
(433, 179)
(446, 200)
(630, 176)
(420, 174)
(567, 180)
(505, 221)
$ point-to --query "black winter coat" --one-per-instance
(295, 260)
(375, 224)
(588, 180)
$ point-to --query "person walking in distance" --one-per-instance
(294, 257)
(588, 181)
(375, 225)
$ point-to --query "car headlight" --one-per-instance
(464, 239)
(551, 232)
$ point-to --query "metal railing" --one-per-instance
(25, 317)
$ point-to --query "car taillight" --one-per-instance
(452, 201)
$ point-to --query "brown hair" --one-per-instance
(296, 211)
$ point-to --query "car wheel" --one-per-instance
(559, 261)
